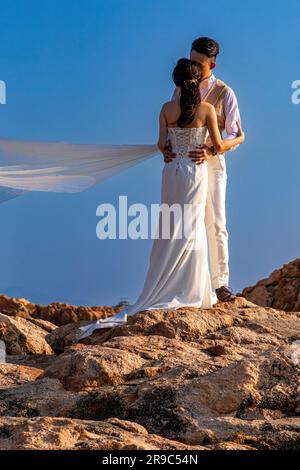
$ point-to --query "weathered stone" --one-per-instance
(57, 313)
(281, 290)
(16, 307)
(12, 375)
(42, 397)
(23, 337)
(83, 367)
(66, 434)
(60, 313)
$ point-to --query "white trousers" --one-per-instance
(215, 221)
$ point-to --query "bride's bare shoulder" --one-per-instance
(170, 105)
(204, 106)
(205, 109)
(170, 110)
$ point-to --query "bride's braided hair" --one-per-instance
(187, 75)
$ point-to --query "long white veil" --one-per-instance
(69, 168)
(62, 167)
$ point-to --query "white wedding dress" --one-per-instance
(178, 273)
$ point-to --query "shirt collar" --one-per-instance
(211, 80)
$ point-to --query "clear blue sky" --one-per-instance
(98, 71)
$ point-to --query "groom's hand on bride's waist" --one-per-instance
(201, 154)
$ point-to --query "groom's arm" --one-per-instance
(232, 115)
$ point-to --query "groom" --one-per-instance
(204, 51)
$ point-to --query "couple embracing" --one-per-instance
(183, 273)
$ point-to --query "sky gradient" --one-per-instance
(98, 72)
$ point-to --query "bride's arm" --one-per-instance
(163, 131)
(219, 144)
(163, 142)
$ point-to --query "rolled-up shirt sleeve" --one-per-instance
(232, 115)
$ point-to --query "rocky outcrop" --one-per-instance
(281, 290)
(16, 307)
(57, 313)
(221, 378)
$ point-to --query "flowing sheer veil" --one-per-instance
(62, 167)
(68, 168)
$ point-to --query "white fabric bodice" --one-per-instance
(185, 139)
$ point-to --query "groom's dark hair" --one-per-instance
(206, 46)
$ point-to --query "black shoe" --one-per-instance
(225, 294)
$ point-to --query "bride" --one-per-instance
(178, 273)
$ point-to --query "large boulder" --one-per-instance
(281, 290)
(22, 336)
(83, 367)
